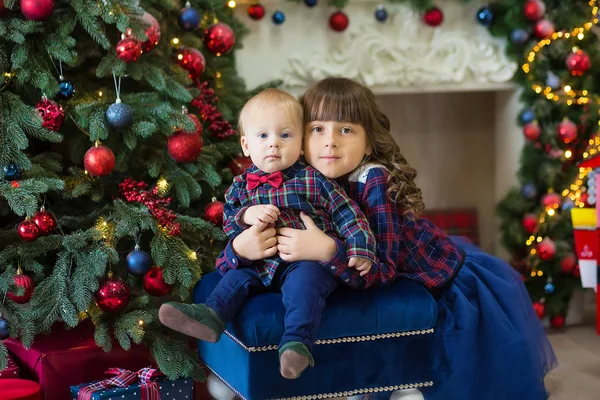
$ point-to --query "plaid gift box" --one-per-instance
(456, 222)
(128, 385)
(11, 371)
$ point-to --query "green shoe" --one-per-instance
(196, 320)
(294, 358)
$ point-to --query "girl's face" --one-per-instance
(335, 148)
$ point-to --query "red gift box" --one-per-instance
(69, 357)
(11, 371)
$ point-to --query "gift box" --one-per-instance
(11, 371)
(68, 357)
(128, 385)
(456, 222)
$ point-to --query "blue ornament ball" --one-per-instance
(381, 14)
(527, 116)
(119, 115)
(310, 3)
(519, 36)
(568, 204)
(189, 19)
(485, 16)
(549, 288)
(66, 90)
(529, 191)
(138, 262)
(4, 332)
(552, 81)
(12, 172)
(278, 17)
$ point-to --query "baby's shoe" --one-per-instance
(294, 357)
(196, 320)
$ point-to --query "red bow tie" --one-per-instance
(275, 179)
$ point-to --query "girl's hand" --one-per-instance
(361, 264)
(310, 244)
(256, 243)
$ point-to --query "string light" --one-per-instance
(568, 94)
(107, 231)
(192, 254)
(163, 186)
(141, 322)
(231, 4)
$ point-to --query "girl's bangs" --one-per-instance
(329, 104)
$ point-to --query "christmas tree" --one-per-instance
(557, 44)
(115, 137)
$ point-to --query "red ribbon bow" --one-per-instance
(275, 179)
(150, 390)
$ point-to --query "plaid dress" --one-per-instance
(303, 189)
(412, 248)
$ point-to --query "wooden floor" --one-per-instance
(578, 374)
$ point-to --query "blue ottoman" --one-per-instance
(377, 340)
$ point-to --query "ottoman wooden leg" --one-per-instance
(218, 390)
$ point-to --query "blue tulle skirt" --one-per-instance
(489, 342)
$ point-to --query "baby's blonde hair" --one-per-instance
(273, 97)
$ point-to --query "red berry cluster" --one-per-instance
(134, 191)
(205, 103)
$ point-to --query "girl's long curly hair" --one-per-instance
(344, 100)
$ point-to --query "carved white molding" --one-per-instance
(401, 55)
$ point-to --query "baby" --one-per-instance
(274, 190)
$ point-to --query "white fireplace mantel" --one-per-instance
(402, 55)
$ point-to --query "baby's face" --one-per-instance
(272, 137)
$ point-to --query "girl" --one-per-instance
(489, 342)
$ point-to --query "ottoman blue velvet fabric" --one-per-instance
(370, 341)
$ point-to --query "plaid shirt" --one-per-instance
(303, 189)
(406, 248)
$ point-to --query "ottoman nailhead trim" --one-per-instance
(360, 391)
(352, 339)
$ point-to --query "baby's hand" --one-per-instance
(266, 213)
(361, 264)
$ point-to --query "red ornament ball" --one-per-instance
(185, 147)
(45, 221)
(154, 284)
(530, 222)
(558, 321)
(152, 32)
(213, 212)
(129, 49)
(543, 29)
(239, 164)
(28, 231)
(568, 263)
(534, 10)
(433, 17)
(540, 309)
(192, 61)
(339, 21)
(584, 199)
(112, 295)
(99, 161)
(532, 131)
(219, 39)
(22, 281)
(256, 12)
(578, 62)
(546, 249)
(551, 200)
(567, 131)
(52, 114)
(37, 10)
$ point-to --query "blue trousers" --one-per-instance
(304, 285)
